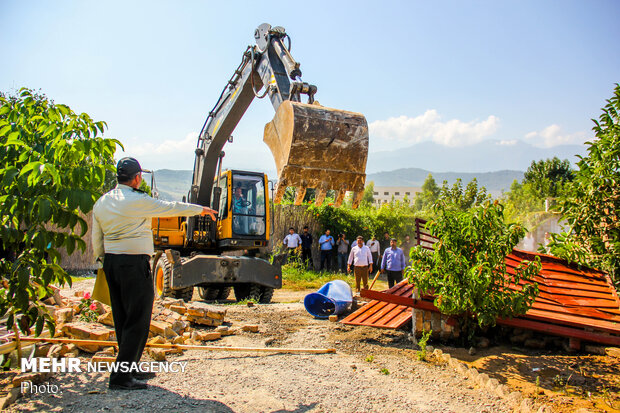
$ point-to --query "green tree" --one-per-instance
(592, 207)
(309, 196)
(461, 199)
(369, 191)
(548, 177)
(466, 271)
(429, 195)
(53, 166)
(521, 201)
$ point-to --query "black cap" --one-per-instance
(127, 168)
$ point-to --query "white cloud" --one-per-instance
(167, 147)
(429, 126)
(167, 154)
(553, 135)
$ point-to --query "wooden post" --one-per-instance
(188, 347)
(374, 280)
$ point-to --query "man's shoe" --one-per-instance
(128, 384)
(143, 375)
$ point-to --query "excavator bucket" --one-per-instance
(318, 147)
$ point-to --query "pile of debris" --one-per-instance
(173, 321)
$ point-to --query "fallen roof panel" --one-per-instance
(381, 314)
(574, 301)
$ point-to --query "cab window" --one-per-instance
(248, 205)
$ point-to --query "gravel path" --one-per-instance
(247, 382)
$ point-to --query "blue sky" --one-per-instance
(452, 72)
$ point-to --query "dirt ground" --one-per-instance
(372, 370)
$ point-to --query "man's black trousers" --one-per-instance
(306, 254)
(326, 260)
(394, 277)
(131, 295)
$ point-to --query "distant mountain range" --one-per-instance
(485, 156)
(410, 166)
(494, 182)
(172, 185)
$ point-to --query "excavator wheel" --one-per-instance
(253, 291)
(208, 293)
(318, 147)
(162, 281)
(214, 293)
(266, 294)
(161, 278)
(224, 293)
(185, 294)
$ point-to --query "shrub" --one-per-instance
(466, 270)
(53, 167)
(592, 207)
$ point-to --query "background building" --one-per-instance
(384, 194)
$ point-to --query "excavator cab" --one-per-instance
(243, 214)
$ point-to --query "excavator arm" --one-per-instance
(313, 146)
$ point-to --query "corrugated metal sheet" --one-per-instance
(569, 295)
(573, 301)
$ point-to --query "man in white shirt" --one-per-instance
(291, 242)
(122, 237)
(375, 248)
(361, 258)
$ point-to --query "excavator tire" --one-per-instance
(253, 291)
(214, 293)
(224, 293)
(184, 293)
(318, 147)
(162, 280)
(266, 294)
(208, 293)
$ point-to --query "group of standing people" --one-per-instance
(383, 255)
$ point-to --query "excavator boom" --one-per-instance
(313, 146)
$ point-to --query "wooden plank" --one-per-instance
(187, 347)
(380, 314)
(376, 307)
(580, 288)
(574, 280)
(574, 321)
(557, 268)
(403, 288)
(565, 298)
(359, 316)
(388, 318)
(560, 331)
(402, 319)
(590, 312)
(406, 301)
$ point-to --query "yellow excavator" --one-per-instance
(313, 147)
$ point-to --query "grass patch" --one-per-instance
(295, 277)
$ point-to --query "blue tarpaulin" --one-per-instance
(335, 297)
